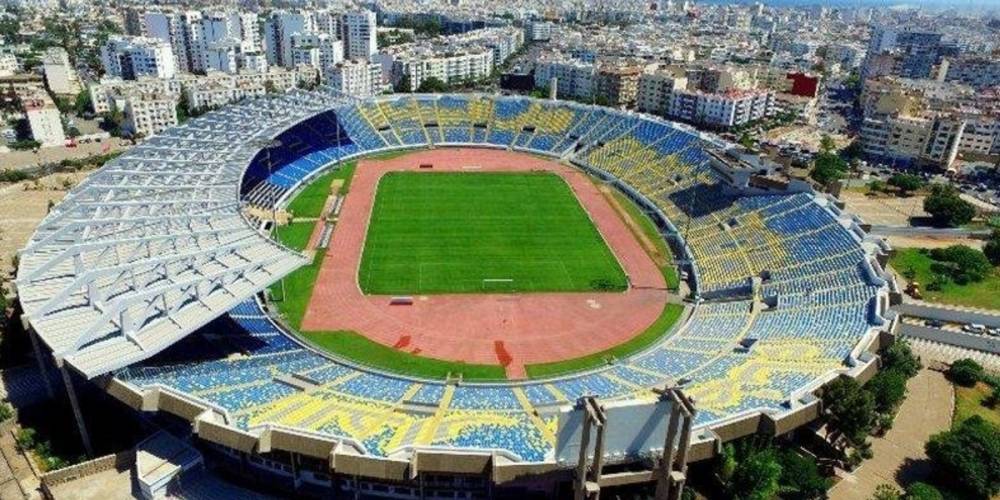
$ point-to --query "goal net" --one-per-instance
(499, 285)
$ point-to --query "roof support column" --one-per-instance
(41, 362)
(80, 425)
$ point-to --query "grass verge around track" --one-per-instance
(482, 232)
(671, 313)
(358, 348)
(663, 257)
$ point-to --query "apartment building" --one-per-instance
(618, 83)
(576, 79)
(44, 119)
(721, 110)
(928, 122)
(279, 29)
(453, 67)
(146, 115)
(360, 28)
(60, 76)
(975, 71)
(355, 78)
(319, 50)
(131, 57)
(8, 64)
(656, 88)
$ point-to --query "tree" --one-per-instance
(888, 388)
(746, 140)
(923, 491)
(403, 85)
(992, 248)
(431, 85)
(828, 168)
(965, 372)
(947, 209)
(827, 144)
(968, 457)
(851, 409)
(800, 477)
(876, 186)
(756, 476)
(906, 182)
(961, 263)
(886, 492)
(899, 356)
(82, 104)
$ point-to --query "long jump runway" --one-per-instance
(484, 328)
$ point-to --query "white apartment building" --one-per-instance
(930, 138)
(111, 93)
(216, 93)
(60, 76)
(279, 29)
(146, 115)
(253, 62)
(176, 29)
(449, 68)
(356, 78)
(656, 90)
(131, 57)
(319, 50)
(360, 28)
(721, 110)
(44, 120)
(576, 80)
(8, 64)
(539, 31)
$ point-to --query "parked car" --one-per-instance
(974, 328)
(934, 323)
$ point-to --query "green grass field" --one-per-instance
(465, 232)
(295, 235)
(309, 202)
(984, 294)
(359, 348)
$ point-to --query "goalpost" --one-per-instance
(498, 285)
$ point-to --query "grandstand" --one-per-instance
(149, 277)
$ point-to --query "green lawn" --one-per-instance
(671, 313)
(970, 401)
(309, 202)
(295, 235)
(298, 287)
(663, 256)
(465, 232)
(360, 349)
(984, 294)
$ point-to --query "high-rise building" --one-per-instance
(131, 57)
(356, 78)
(361, 34)
(279, 29)
(319, 50)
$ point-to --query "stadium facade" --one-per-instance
(132, 279)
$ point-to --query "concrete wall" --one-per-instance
(961, 339)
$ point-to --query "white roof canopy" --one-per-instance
(154, 245)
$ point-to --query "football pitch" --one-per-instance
(482, 232)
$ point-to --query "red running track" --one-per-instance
(509, 329)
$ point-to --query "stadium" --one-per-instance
(476, 313)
